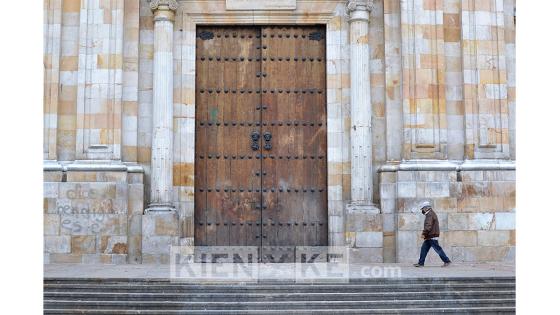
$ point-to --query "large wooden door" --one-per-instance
(260, 170)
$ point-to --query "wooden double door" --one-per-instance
(261, 145)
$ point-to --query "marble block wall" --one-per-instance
(442, 79)
(93, 217)
(476, 211)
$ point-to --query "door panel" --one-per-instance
(296, 211)
(271, 192)
(226, 196)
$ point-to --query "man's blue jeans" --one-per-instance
(426, 247)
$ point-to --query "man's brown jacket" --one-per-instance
(431, 225)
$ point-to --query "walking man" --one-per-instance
(431, 235)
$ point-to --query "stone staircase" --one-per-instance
(373, 296)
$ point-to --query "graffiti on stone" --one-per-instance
(91, 208)
(91, 198)
(68, 206)
(88, 191)
(87, 224)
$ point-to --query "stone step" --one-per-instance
(362, 311)
(177, 288)
(374, 296)
(286, 296)
(352, 281)
(278, 305)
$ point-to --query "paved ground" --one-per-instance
(277, 271)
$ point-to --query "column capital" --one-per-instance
(164, 9)
(359, 5)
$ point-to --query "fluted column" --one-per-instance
(360, 103)
(161, 192)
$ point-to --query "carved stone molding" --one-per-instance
(359, 5)
(170, 5)
(164, 10)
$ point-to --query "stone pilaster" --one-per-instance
(361, 110)
(161, 193)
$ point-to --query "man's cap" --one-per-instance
(425, 204)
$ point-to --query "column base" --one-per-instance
(160, 208)
(362, 207)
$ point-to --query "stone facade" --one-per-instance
(439, 113)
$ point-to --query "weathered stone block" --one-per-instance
(87, 224)
(50, 206)
(482, 221)
(91, 259)
(436, 176)
(75, 224)
(389, 248)
(87, 190)
(336, 223)
(57, 244)
(458, 221)
(408, 239)
(494, 238)
(472, 176)
(388, 205)
(113, 244)
(83, 244)
(471, 221)
(118, 259)
(406, 189)
(475, 189)
(158, 244)
(407, 249)
(51, 224)
(336, 207)
(505, 220)
(50, 190)
(479, 254)
(456, 190)
(135, 199)
(410, 205)
(406, 176)
(445, 204)
(337, 239)
(134, 225)
(350, 238)
(421, 189)
(134, 249)
(112, 176)
(160, 224)
(443, 221)
(411, 221)
(388, 177)
(365, 255)
(388, 190)
(121, 191)
(81, 176)
(459, 238)
(510, 256)
(508, 204)
(135, 178)
(389, 222)
(57, 258)
(503, 188)
(369, 239)
(364, 222)
(55, 176)
(155, 258)
(499, 175)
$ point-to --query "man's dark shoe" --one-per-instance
(418, 265)
(446, 264)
